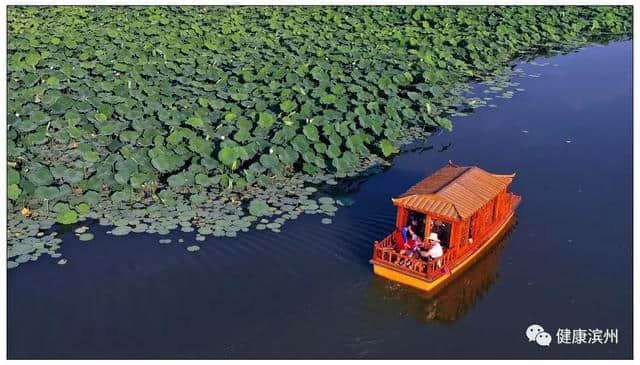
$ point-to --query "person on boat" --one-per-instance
(417, 243)
(435, 250)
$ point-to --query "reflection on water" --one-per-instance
(454, 300)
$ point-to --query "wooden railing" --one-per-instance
(384, 251)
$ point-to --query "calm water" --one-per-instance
(310, 292)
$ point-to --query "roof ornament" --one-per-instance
(452, 164)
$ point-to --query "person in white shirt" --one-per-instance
(435, 251)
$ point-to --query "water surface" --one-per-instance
(310, 292)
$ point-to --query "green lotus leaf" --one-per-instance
(387, 148)
(139, 178)
(177, 135)
(230, 116)
(13, 191)
(333, 151)
(32, 59)
(53, 80)
(288, 156)
(444, 123)
(82, 208)
(166, 162)
(196, 121)
(266, 120)
(167, 197)
(340, 164)
(202, 179)
(91, 197)
(179, 180)
(121, 196)
(320, 147)
(269, 161)
(193, 248)
(228, 156)
(39, 176)
(201, 146)
(62, 104)
(68, 216)
(242, 135)
(13, 176)
(319, 74)
(72, 117)
(328, 99)
(90, 156)
(259, 208)
(86, 237)
(129, 136)
(40, 118)
(60, 207)
(288, 106)
(27, 125)
(34, 139)
(311, 132)
(72, 176)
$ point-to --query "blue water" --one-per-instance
(309, 291)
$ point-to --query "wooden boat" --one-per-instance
(454, 300)
(467, 207)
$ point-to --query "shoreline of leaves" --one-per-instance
(94, 123)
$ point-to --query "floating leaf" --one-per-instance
(259, 208)
(196, 121)
(388, 148)
(40, 175)
(266, 120)
(228, 156)
(67, 217)
(288, 106)
(13, 191)
(311, 132)
(86, 237)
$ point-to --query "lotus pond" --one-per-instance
(225, 256)
(309, 291)
(219, 120)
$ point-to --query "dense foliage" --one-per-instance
(134, 101)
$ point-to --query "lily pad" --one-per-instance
(86, 237)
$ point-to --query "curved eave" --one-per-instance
(507, 178)
(428, 204)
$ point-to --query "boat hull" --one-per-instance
(388, 271)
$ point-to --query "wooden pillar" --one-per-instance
(401, 217)
(454, 237)
(427, 228)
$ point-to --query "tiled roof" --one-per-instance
(454, 191)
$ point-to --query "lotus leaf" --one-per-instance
(288, 106)
(67, 216)
(259, 208)
(266, 120)
(14, 191)
(387, 148)
(39, 175)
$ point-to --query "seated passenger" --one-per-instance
(417, 243)
(405, 233)
(398, 240)
(435, 250)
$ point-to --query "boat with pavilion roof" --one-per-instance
(463, 209)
